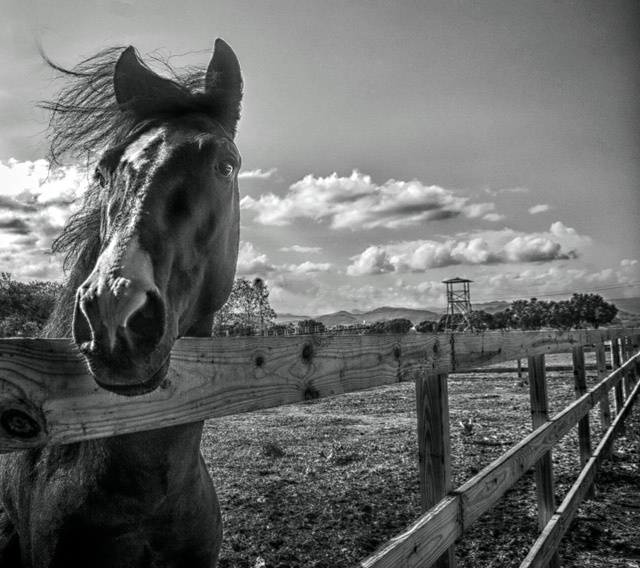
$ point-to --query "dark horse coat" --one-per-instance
(150, 256)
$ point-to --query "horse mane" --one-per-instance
(85, 120)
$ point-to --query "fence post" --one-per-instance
(615, 364)
(635, 340)
(544, 467)
(630, 377)
(605, 409)
(434, 446)
(584, 431)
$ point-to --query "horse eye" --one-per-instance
(225, 168)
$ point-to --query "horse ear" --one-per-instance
(139, 89)
(223, 81)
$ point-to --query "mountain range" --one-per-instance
(628, 307)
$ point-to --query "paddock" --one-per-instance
(48, 397)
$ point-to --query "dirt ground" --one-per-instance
(323, 484)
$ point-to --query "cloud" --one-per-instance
(476, 210)
(374, 260)
(35, 202)
(494, 217)
(251, 262)
(14, 226)
(489, 247)
(257, 174)
(306, 267)
(301, 249)
(38, 183)
(556, 282)
(539, 209)
(355, 202)
(494, 192)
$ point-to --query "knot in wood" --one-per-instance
(307, 353)
(19, 424)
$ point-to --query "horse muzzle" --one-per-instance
(119, 325)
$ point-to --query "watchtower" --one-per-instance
(458, 316)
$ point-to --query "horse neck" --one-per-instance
(152, 447)
(148, 464)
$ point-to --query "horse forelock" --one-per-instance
(86, 119)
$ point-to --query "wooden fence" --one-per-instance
(48, 397)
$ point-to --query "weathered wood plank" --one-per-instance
(434, 447)
(601, 369)
(616, 362)
(584, 429)
(423, 542)
(543, 474)
(48, 396)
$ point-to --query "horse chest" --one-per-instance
(104, 515)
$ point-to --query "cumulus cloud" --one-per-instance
(257, 174)
(374, 260)
(494, 192)
(356, 202)
(556, 281)
(250, 261)
(301, 249)
(494, 217)
(489, 247)
(306, 267)
(35, 202)
(539, 209)
(253, 262)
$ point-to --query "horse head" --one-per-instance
(169, 223)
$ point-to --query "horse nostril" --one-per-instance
(146, 325)
(83, 327)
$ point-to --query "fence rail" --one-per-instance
(48, 397)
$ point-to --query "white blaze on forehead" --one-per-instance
(136, 154)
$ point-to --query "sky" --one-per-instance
(387, 146)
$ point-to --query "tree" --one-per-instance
(265, 313)
(580, 311)
(592, 309)
(25, 308)
(398, 325)
(562, 315)
(247, 310)
(427, 326)
(503, 319)
(481, 320)
(529, 314)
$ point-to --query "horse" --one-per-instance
(149, 257)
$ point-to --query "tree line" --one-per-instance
(25, 308)
(581, 311)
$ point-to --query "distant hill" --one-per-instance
(629, 307)
(341, 317)
(388, 313)
(379, 314)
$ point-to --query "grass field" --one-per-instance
(323, 484)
